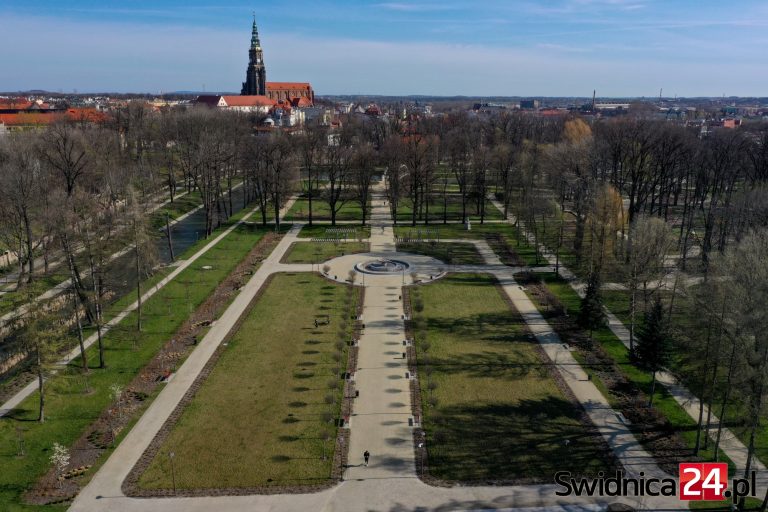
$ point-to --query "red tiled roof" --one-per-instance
(248, 101)
(279, 86)
(15, 103)
(90, 115)
(301, 102)
(23, 118)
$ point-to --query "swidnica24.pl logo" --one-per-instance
(697, 481)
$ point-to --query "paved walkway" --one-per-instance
(19, 397)
(729, 443)
(380, 418)
(10, 280)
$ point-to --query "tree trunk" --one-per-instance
(30, 251)
(726, 396)
(83, 357)
(653, 389)
(138, 287)
(168, 234)
(40, 388)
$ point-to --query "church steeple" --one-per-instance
(255, 34)
(256, 74)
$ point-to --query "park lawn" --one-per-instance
(478, 232)
(257, 418)
(325, 230)
(453, 209)
(68, 410)
(662, 401)
(499, 414)
(453, 253)
(318, 252)
(617, 302)
(321, 211)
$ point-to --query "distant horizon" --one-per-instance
(521, 48)
(331, 95)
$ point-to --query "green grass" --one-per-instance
(478, 232)
(321, 211)
(662, 401)
(499, 414)
(318, 252)
(458, 253)
(453, 210)
(322, 231)
(69, 411)
(256, 420)
(41, 284)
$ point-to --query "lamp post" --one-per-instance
(171, 455)
(341, 457)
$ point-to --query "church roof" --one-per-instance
(301, 102)
(275, 86)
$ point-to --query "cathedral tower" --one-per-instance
(256, 75)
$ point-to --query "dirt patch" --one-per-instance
(101, 435)
(501, 245)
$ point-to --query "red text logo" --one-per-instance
(703, 481)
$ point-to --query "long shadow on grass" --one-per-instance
(487, 364)
(492, 326)
(486, 442)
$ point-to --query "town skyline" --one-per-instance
(621, 48)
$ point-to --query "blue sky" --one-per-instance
(474, 48)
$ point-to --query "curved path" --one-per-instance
(381, 413)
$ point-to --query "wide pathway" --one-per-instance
(730, 444)
(30, 388)
(380, 417)
(379, 422)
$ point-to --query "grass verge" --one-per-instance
(263, 416)
(492, 410)
(318, 252)
(69, 409)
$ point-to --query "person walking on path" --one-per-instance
(366, 456)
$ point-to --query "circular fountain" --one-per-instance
(382, 266)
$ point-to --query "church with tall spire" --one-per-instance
(256, 75)
(283, 101)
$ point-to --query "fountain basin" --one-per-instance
(382, 266)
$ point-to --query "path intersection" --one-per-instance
(382, 421)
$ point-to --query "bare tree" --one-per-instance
(140, 234)
(310, 150)
(41, 337)
(338, 170)
(650, 241)
(362, 179)
(745, 269)
(20, 194)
